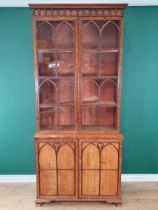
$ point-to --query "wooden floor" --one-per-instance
(136, 196)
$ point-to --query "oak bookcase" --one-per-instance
(78, 62)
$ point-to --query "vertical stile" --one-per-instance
(119, 73)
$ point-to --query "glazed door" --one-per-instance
(56, 74)
(99, 61)
(99, 168)
(57, 169)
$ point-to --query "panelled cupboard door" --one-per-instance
(57, 168)
(99, 168)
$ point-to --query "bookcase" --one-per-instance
(78, 63)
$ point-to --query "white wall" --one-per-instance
(24, 3)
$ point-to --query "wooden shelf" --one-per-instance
(47, 105)
(55, 105)
(59, 127)
(82, 77)
(105, 104)
(115, 50)
(96, 127)
(51, 50)
(54, 77)
(99, 77)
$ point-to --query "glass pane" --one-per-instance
(89, 91)
(100, 34)
(55, 34)
(109, 35)
(66, 91)
(57, 103)
(98, 117)
(66, 64)
(66, 116)
(99, 91)
(48, 92)
(47, 64)
(90, 64)
(48, 118)
(108, 64)
(54, 91)
(56, 63)
(64, 38)
(61, 117)
(90, 35)
(45, 32)
(108, 91)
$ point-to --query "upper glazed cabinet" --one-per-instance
(78, 71)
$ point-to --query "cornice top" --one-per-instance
(78, 9)
(77, 6)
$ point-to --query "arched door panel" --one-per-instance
(66, 157)
(109, 157)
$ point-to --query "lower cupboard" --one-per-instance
(78, 169)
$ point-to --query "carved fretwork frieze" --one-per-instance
(77, 12)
